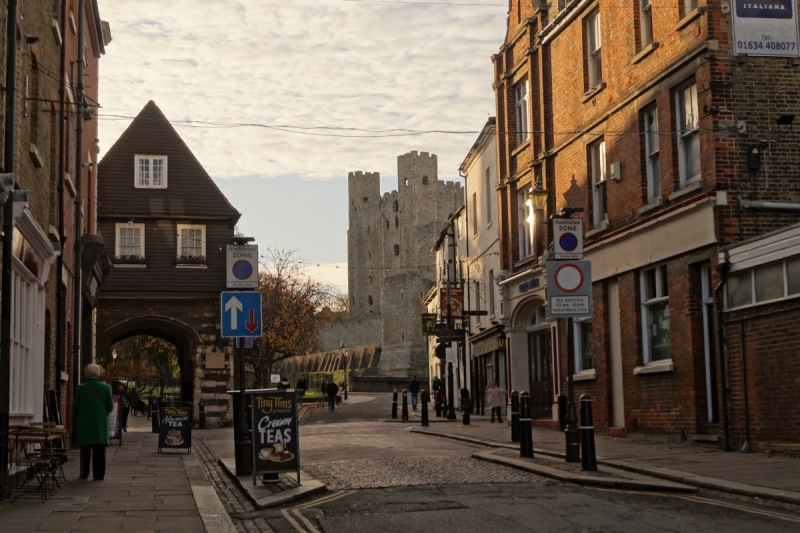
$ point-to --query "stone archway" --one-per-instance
(179, 334)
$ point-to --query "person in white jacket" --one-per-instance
(495, 398)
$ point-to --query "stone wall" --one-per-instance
(350, 331)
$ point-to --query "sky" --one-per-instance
(280, 99)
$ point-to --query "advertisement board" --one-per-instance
(765, 28)
(456, 302)
(276, 443)
(175, 428)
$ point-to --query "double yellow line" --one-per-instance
(309, 527)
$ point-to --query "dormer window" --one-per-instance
(150, 172)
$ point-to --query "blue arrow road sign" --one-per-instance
(241, 314)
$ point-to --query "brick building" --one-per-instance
(46, 165)
(680, 156)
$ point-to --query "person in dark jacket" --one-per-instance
(91, 406)
(332, 390)
(300, 387)
(413, 388)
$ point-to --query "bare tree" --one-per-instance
(291, 300)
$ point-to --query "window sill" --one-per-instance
(526, 261)
(585, 375)
(690, 188)
(655, 368)
(688, 19)
(37, 159)
(646, 51)
(525, 144)
(600, 228)
(129, 265)
(591, 93)
(192, 265)
(748, 307)
(652, 206)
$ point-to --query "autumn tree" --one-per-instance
(146, 360)
(291, 300)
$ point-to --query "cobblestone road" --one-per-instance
(383, 473)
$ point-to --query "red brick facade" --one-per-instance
(683, 225)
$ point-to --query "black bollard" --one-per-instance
(394, 404)
(525, 434)
(156, 427)
(514, 416)
(424, 413)
(588, 456)
(466, 406)
(405, 405)
(438, 403)
(562, 411)
(202, 414)
(573, 452)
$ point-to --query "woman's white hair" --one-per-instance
(93, 371)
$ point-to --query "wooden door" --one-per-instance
(540, 359)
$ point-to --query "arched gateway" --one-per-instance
(166, 225)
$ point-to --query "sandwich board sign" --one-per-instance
(569, 289)
(568, 238)
(242, 266)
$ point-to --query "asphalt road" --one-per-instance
(384, 478)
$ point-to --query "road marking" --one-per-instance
(742, 508)
(296, 509)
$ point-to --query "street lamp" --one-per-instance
(538, 196)
(113, 364)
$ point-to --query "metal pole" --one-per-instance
(588, 455)
(424, 414)
(244, 466)
(526, 435)
(573, 445)
(394, 404)
(8, 236)
(405, 405)
(514, 416)
(77, 314)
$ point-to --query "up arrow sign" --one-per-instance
(234, 306)
(241, 314)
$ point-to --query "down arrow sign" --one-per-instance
(251, 324)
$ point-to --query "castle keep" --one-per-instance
(390, 263)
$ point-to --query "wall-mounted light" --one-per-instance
(538, 196)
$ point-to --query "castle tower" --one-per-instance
(363, 243)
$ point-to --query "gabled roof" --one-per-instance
(190, 192)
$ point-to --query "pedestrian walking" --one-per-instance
(332, 390)
(413, 388)
(133, 397)
(126, 406)
(496, 398)
(91, 407)
(436, 384)
(300, 387)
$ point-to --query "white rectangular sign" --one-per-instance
(242, 267)
(451, 354)
(765, 28)
(568, 238)
(570, 306)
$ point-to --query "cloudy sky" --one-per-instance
(280, 99)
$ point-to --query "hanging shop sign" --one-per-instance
(765, 28)
(456, 302)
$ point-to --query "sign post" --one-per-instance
(276, 443)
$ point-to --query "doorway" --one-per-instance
(540, 357)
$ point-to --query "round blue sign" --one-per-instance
(568, 242)
(242, 269)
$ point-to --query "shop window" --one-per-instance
(763, 284)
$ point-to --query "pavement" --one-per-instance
(143, 492)
(758, 475)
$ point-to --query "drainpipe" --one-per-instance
(466, 286)
(746, 448)
(8, 237)
(77, 316)
(722, 270)
(61, 310)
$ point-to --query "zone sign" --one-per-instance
(242, 267)
(568, 238)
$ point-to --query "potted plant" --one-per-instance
(129, 259)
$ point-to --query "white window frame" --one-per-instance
(594, 61)
(27, 343)
(661, 296)
(179, 237)
(599, 175)
(645, 22)
(689, 135)
(522, 107)
(689, 6)
(578, 343)
(488, 184)
(525, 224)
(751, 273)
(117, 248)
(139, 182)
(651, 150)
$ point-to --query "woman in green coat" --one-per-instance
(91, 407)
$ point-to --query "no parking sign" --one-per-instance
(568, 238)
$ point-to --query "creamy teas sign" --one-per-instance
(765, 28)
(276, 446)
(175, 428)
